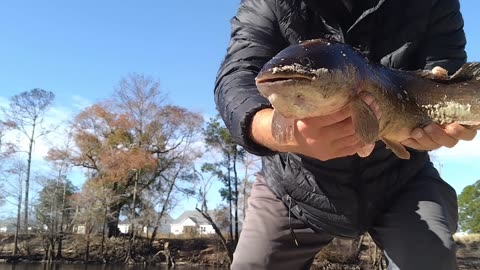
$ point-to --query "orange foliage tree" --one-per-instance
(135, 140)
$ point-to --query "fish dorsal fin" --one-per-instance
(422, 73)
(469, 71)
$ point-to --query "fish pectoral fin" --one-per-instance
(397, 148)
(364, 121)
(366, 150)
(282, 128)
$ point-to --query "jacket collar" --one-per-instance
(344, 10)
(365, 14)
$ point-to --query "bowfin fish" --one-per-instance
(319, 77)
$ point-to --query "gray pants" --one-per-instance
(415, 233)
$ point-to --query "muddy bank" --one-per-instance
(340, 254)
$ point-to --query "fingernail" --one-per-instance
(417, 134)
(428, 129)
(450, 130)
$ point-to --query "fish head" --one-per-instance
(309, 79)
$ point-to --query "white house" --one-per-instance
(124, 227)
(191, 222)
(80, 229)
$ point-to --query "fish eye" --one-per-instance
(305, 61)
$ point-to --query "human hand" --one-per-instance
(322, 137)
(326, 137)
(433, 136)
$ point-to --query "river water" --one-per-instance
(42, 266)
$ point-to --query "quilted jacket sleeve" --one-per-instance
(446, 40)
(255, 38)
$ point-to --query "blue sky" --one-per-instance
(81, 49)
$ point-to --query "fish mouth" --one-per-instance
(278, 78)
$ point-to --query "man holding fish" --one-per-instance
(314, 186)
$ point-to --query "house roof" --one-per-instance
(193, 215)
(166, 219)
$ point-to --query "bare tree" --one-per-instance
(53, 211)
(205, 213)
(26, 113)
(251, 165)
(61, 164)
(225, 168)
(6, 148)
(13, 177)
(92, 212)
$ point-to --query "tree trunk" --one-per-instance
(235, 198)
(112, 221)
(104, 226)
(62, 223)
(219, 234)
(164, 209)
(230, 195)
(59, 248)
(129, 259)
(19, 214)
(87, 249)
(27, 180)
(50, 250)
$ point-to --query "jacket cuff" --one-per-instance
(249, 108)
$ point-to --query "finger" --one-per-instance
(366, 150)
(349, 150)
(424, 140)
(346, 141)
(460, 132)
(439, 136)
(327, 120)
(334, 131)
(338, 130)
(412, 143)
(371, 102)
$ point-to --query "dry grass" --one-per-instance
(467, 238)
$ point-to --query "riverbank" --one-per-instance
(340, 254)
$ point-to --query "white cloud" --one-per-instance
(463, 150)
(57, 121)
(80, 102)
(3, 102)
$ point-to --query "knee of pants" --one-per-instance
(430, 254)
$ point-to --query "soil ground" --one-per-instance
(340, 254)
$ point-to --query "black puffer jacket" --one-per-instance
(342, 195)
